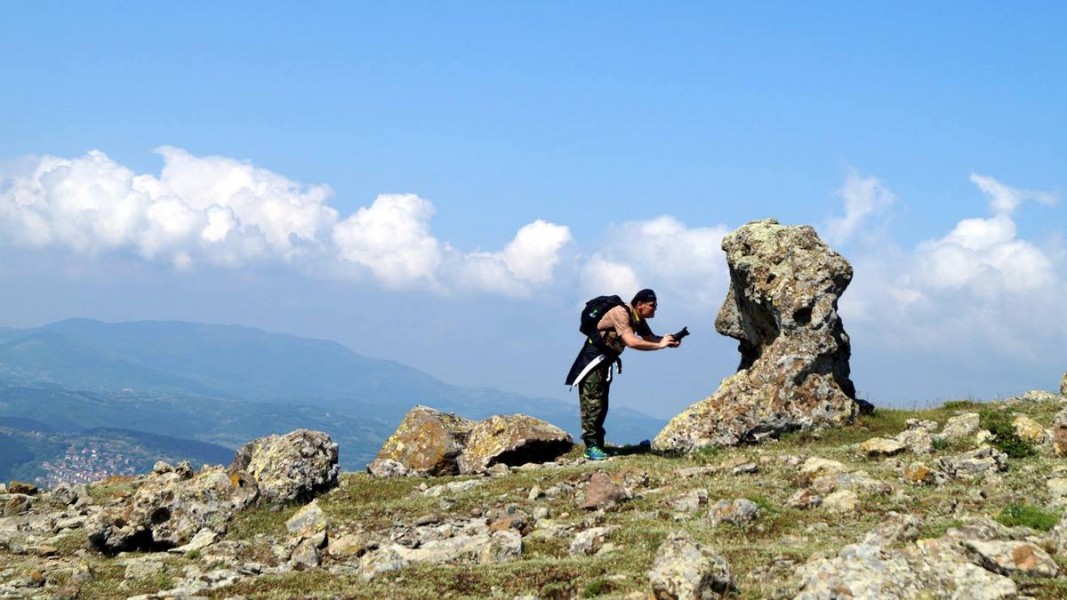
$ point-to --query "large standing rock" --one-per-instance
(289, 468)
(512, 440)
(428, 442)
(1063, 385)
(794, 371)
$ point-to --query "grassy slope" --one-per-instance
(763, 555)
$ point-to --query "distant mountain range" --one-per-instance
(148, 383)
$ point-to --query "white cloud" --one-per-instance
(601, 276)
(223, 212)
(662, 253)
(392, 238)
(864, 197)
(1003, 200)
(979, 284)
(529, 260)
(210, 209)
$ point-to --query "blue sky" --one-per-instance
(444, 183)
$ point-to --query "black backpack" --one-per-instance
(595, 310)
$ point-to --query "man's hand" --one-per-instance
(668, 341)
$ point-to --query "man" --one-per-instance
(624, 326)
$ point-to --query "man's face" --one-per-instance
(646, 310)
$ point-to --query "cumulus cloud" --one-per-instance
(863, 197)
(980, 282)
(210, 209)
(662, 253)
(223, 212)
(529, 260)
(392, 239)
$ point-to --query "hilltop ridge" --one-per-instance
(965, 499)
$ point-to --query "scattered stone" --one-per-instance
(816, 467)
(918, 440)
(804, 499)
(1057, 491)
(1059, 433)
(684, 569)
(782, 308)
(1036, 396)
(745, 468)
(960, 426)
(974, 464)
(603, 492)
(858, 481)
(350, 545)
(1030, 430)
(203, 539)
(453, 487)
(841, 501)
(740, 511)
(308, 524)
(1013, 558)
(691, 502)
(881, 447)
(918, 473)
(589, 542)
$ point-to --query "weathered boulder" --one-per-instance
(782, 308)
(685, 569)
(1063, 385)
(291, 467)
(432, 443)
(428, 442)
(168, 509)
(512, 440)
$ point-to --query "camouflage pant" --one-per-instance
(593, 401)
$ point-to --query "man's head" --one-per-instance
(644, 303)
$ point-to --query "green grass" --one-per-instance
(1028, 515)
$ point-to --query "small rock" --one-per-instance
(738, 512)
(841, 501)
(804, 499)
(881, 447)
(602, 492)
(961, 426)
(684, 569)
(1030, 430)
(1013, 558)
(588, 542)
(350, 545)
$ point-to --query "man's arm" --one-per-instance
(648, 342)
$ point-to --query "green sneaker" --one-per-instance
(596, 453)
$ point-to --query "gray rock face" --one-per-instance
(172, 505)
(167, 510)
(685, 570)
(794, 371)
(1063, 385)
(433, 443)
(289, 468)
(426, 443)
(512, 440)
(873, 570)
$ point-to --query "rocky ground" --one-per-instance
(962, 501)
